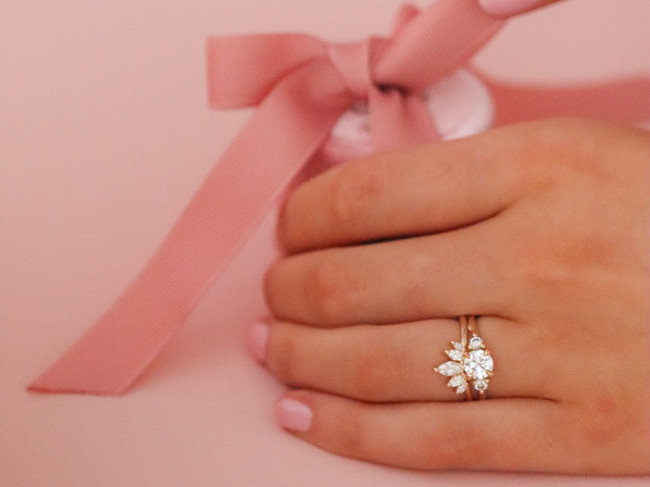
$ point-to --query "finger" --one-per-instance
(395, 363)
(450, 274)
(510, 435)
(506, 8)
(412, 192)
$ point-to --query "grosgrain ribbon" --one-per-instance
(301, 87)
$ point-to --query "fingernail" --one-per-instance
(505, 8)
(293, 415)
(258, 335)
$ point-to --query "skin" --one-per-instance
(506, 8)
(541, 229)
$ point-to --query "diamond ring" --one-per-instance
(471, 363)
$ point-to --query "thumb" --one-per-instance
(506, 8)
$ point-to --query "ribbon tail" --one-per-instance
(277, 141)
(620, 101)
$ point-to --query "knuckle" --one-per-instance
(351, 192)
(342, 199)
(328, 291)
(597, 429)
(558, 261)
(603, 421)
(546, 149)
(370, 378)
(283, 356)
(571, 149)
(541, 269)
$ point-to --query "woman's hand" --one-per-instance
(541, 230)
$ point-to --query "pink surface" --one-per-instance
(104, 135)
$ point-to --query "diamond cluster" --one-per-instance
(472, 364)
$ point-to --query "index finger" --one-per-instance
(426, 189)
(505, 8)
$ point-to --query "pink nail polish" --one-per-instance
(293, 415)
(258, 336)
(505, 8)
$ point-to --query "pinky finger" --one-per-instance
(507, 435)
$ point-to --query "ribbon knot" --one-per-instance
(352, 63)
(356, 62)
(301, 87)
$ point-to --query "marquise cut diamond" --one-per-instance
(456, 355)
(457, 381)
(450, 369)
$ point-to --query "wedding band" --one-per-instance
(471, 363)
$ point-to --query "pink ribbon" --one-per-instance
(301, 87)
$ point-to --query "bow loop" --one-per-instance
(242, 70)
(446, 35)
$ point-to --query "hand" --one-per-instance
(541, 230)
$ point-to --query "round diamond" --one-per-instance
(481, 385)
(478, 364)
(476, 343)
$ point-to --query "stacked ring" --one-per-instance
(471, 363)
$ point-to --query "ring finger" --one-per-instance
(395, 363)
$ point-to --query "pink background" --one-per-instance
(104, 136)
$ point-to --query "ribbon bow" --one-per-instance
(301, 87)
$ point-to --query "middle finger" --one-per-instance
(435, 276)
